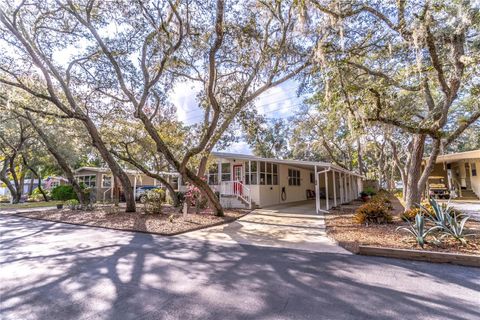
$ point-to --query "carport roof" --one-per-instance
(298, 163)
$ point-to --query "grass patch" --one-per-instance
(28, 205)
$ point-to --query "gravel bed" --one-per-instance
(350, 235)
(170, 222)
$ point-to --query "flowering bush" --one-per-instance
(194, 197)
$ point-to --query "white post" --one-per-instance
(326, 190)
(334, 190)
(154, 182)
(317, 192)
(249, 172)
(351, 188)
(219, 174)
(135, 187)
(345, 187)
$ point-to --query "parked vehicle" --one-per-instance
(437, 187)
(141, 192)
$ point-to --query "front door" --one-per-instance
(238, 179)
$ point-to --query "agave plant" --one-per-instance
(442, 214)
(418, 229)
(456, 227)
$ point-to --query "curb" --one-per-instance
(429, 256)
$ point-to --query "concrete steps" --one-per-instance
(234, 202)
(468, 195)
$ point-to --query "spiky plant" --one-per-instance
(418, 229)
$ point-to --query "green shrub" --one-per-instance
(369, 191)
(72, 203)
(373, 212)
(154, 200)
(63, 193)
(4, 199)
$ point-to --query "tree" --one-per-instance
(34, 37)
(411, 66)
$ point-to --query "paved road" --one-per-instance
(58, 271)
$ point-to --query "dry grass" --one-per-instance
(170, 222)
(341, 227)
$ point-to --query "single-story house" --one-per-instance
(101, 181)
(246, 180)
(458, 173)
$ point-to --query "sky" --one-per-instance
(278, 102)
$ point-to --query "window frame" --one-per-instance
(81, 179)
(103, 180)
(294, 177)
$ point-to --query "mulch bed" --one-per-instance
(349, 234)
(170, 222)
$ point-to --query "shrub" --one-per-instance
(35, 197)
(382, 199)
(4, 199)
(154, 200)
(373, 212)
(369, 191)
(63, 193)
(72, 203)
(195, 197)
(410, 214)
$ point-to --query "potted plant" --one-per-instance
(60, 205)
(364, 196)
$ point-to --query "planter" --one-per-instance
(365, 198)
(60, 206)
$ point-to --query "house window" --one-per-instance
(226, 172)
(212, 176)
(312, 177)
(106, 181)
(54, 184)
(268, 173)
(87, 181)
(250, 177)
(293, 177)
(474, 169)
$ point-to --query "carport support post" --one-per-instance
(334, 190)
(317, 192)
(219, 175)
(326, 190)
(345, 188)
(135, 187)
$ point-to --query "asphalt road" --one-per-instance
(58, 271)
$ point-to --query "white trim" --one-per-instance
(334, 189)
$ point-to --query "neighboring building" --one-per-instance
(101, 181)
(244, 180)
(28, 185)
(458, 173)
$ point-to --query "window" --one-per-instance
(293, 177)
(250, 177)
(312, 177)
(226, 172)
(88, 181)
(268, 173)
(106, 181)
(212, 176)
(54, 184)
(474, 169)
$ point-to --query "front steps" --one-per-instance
(467, 195)
(235, 202)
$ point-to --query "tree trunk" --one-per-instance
(413, 194)
(30, 186)
(422, 182)
(41, 189)
(62, 163)
(4, 178)
(117, 171)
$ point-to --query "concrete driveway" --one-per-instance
(59, 271)
(294, 226)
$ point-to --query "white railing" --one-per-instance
(235, 188)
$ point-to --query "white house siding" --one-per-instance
(294, 193)
(475, 180)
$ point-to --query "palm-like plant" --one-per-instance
(418, 229)
(451, 222)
